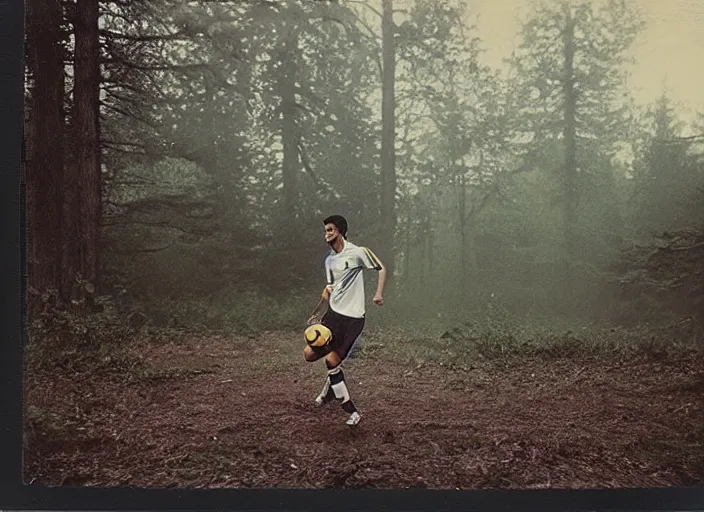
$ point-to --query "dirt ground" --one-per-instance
(216, 412)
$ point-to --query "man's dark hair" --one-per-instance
(340, 223)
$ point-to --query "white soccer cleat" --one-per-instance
(353, 419)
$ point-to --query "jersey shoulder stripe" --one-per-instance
(375, 263)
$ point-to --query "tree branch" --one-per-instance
(170, 67)
(116, 143)
(306, 165)
(141, 251)
(118, 110)
(160, 224)
(145, 38)
(684, 248)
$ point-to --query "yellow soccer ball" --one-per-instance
(317, 335)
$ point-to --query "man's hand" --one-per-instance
(378, 299)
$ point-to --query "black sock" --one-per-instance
(349, 407)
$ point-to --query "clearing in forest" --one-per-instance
(215, 411)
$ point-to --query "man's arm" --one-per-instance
(320, 309)
(379, 297)
(370, 261)
(317, 314)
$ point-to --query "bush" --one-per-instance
(61, 335)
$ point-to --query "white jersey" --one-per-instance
(344, 274)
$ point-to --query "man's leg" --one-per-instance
(312, 354)
(344, 335)
(326, 394)
(338, 388)
(353, 329)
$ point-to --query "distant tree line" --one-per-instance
(186, 153)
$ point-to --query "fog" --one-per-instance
(536, 149)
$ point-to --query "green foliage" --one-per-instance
(665, 280)
(667, 173)
(59, 336)
(602, 35)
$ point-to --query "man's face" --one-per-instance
(331, 233)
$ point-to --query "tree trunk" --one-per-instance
(472, 270)
(45, 166)
(428, 245)
(570, 170)
(431, 244)
(388, 152)
(229, 200)
(83, 211)
(407, 253)
(463, 231)
(423, 261)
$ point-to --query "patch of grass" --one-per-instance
(65, 340)
(99, 343)
(492, 340)
(103, 358)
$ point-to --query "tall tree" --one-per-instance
(458, 107)
(570, 67)
(45, 137)
(388, 138)
(665, 171)
(569, 133)
(290, 166)
(83, 177)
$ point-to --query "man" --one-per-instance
(343, 298)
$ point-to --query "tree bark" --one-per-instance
(388, 141)
(45, 130)
(83, 210)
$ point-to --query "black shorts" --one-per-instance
(345, 331)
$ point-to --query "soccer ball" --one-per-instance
(317, 335)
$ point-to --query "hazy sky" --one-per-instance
(670, 51)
